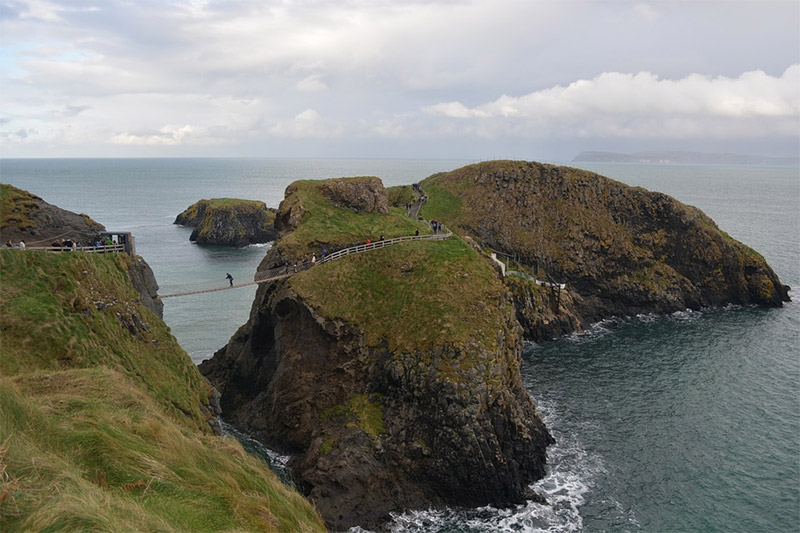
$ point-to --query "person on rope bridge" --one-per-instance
(229, 278)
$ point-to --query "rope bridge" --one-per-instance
(289, 270)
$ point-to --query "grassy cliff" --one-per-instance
(393, 375)
(104, 418)
(620, 249)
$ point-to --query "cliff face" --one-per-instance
(104, 419)
(27, 217)
(393, 376)
(231, 222)
(620, 250)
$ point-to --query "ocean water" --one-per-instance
(689, 422)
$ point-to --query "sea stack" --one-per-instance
(229, 222)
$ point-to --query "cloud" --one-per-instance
(308, 124)
(311, 84)
(646, 11)
(642, 105)
(242, 73)
(168, 135)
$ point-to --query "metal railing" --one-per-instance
(113, 248)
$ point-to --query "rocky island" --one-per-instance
(229, 221)
(619, 250)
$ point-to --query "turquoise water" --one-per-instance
(689, 422)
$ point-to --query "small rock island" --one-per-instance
(229, 222)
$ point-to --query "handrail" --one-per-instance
(114, 248)
(287, 270)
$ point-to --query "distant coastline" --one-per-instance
(698, 158)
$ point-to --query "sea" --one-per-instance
(685, 422)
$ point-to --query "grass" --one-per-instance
(101, 417)
(361, 412)
(16, 207)
(325, 225)
(411, 296)
(400, 195)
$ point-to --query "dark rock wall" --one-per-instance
(377, 431)
(144, 281)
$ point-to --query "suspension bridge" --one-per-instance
(289, 270)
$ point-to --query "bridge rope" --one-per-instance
(289, 270)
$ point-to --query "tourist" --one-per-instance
(21, 245)
(313, 259)
(9, 244)
(229, 278)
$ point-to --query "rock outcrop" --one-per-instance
(229, 222)
(26, 217)
(620, 250)
(144, 281)
(362, 195)
(393, 377)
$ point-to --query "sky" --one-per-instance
(473, 79)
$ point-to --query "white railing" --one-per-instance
(113, 248)
(381, 244)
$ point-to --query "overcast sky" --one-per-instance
(388, 78)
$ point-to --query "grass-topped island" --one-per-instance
(229, 221)
(393, 375)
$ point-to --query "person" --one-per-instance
(9, 244)
(313, 259)
(21, 245)
(368, 241)
(229, 278)
(416, 233)
(438, 226)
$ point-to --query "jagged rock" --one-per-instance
(144, 281)
(231, 222)
(362, 195)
